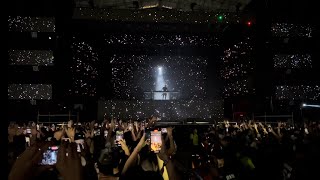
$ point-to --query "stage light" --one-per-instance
(310, 105)
(220, 17)
(249, 23)
(160, 68)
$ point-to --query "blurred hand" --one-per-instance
(236, 126)
(92, 124)
(124, 147)
(112, 124)
(26, 165)
(142, 142)
(169, 131)
(58, 134)
(19, 132)
(126, 130)
(34, 131)
(70, 133)
(69, 162)
(163, 152)
(88, 134)
(279, 124)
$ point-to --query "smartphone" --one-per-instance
(97, 132)
(119, 136)
(28, 141)
(28, 131)
(80, 144)
(50, 156)
(105, 133)
(164, 130)
(148, 134)
(155, 141)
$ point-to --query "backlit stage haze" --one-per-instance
(167, 110)
(172, 88)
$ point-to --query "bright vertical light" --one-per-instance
(160, 82)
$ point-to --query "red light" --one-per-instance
(249, 23)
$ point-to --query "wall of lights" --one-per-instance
(30, 91)
(31, 24)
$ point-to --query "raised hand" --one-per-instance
(26, 165)
(152, 121)
(88, 134)
(112, 124)
(58, 134)
(163, 152)
(69, 162)
(169, 131)
(92, 124)
(70, 133)
(124, 147)
(141, 143)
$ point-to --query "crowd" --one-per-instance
(116, 149)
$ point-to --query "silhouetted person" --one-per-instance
(165, 90)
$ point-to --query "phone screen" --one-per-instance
(105, 133)
(156, 141)
(28, 131)
(164, 130)
(97, 132)
(28, 141)
(80, 145)
(50, 156)
(119, 136)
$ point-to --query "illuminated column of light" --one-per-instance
(160, 82)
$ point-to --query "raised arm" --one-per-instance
(134, 155)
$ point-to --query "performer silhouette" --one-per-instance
(165, 90)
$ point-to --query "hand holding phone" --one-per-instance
(80, 144)
(119, 136)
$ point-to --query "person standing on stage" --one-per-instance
(165, 90)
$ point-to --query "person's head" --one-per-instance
(148, 159)
(149, 165)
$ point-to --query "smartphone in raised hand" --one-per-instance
(80, 144)
(28, 141)
(155, 141)
(119, 136)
